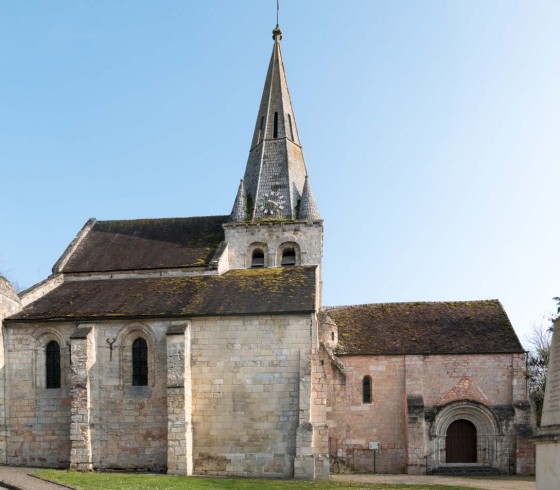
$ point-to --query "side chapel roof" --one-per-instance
(462, 327)
(145, 244)
(237, 292)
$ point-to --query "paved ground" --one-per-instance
(493, 483)
(19, 479)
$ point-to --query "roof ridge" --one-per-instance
(494, 300)
(226, 216)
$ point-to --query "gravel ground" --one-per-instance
(492, 483)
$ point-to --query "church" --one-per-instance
(200, 346)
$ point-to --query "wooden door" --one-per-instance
(460, 442)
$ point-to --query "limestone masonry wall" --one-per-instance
(223, 396)
(408, 394)
(246, 402)
(37, 418)
(353, 424)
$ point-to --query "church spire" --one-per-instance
(239, 211)
(308, 209)
(275, 174)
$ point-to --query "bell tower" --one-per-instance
(275, 219)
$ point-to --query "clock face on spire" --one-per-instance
(272, 204)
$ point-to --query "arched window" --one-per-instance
(53, 364)
(366, 389)
(257, 259)
(139, 362)
(288, 256)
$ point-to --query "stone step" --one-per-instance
(464, 470)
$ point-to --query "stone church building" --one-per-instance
(201, 346)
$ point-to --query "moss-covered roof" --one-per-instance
(238, 292)
(464, 327)
(148, 244)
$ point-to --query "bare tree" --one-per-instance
(539, 341)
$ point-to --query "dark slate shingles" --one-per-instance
(465, 327)
(148, 244)
(248, 291)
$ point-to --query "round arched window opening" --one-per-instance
(52, 364)
(257, 259)
(139, 362)
(288, 256)
(460, 442)
(366, 389)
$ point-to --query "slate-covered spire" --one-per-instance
(275, 173)
(308, 209)
(239, 211)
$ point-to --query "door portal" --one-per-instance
(460, 442)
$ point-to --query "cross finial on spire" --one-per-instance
(277, 33)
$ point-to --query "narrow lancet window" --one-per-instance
(139, 362)
(257, 259)
(289, 256)
(291, 128)
(53, 364)
(275, 125)
(366, 390)
(261, 129)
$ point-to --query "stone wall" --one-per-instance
(409, 393)
(240, 236)
(353, 424)
(125, 426)
(129, 423)
(225, 396)
(247, 405)
(37, 418)
(10, 303)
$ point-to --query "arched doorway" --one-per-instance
(460, 442)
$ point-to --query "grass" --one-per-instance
(128, 481)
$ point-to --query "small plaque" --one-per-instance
(374, 445)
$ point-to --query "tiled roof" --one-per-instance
(465, 327)
(238, 292)
(148, 244)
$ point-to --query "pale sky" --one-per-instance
(430, 131)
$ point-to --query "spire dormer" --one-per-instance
(275, 174)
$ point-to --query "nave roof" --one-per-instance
(443, 327)
(237, 292)
(104, 246)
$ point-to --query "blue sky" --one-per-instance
(430, 131)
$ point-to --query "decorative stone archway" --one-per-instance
(488, 435)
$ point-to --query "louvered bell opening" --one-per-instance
(258, 259)
(289, 257)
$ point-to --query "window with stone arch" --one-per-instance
(366, 389)
(137, 357)
(139, 362)
(50, 359)
(289, 254)
(257, 255)
(257, 259)
(52, 365)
